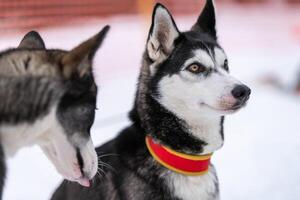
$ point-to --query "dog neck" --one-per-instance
(203, 137)
(184, 164)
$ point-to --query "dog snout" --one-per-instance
(87, 160)
(241, 93)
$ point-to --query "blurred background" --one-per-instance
(260, 159)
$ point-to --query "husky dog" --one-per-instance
(48, 97)
(183, 93)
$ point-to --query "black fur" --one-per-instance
(27, 96)
(27, 99)
(2, 171)
(207, 20)
(129, 171)
(133, 175)
(162, 124)
(76, 110)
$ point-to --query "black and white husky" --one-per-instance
(48, 97)
(183, 93)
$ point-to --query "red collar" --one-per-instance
(179, 162)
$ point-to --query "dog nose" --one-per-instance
(241, 92)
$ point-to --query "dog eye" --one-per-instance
(226, 65)
(196, 68)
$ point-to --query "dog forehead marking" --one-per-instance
(201, 56)
(35, 63)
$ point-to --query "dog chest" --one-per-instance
(204, 187)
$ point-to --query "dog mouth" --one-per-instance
(72, 171)
(238, 105)
(78, 176)
(228, 109)
(83, 181)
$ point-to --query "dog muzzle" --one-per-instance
(191, 165)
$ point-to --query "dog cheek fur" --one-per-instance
(184, 103)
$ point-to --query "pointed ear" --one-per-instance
(32, 40)
(162, 34)
(207, 20)
(79, 60)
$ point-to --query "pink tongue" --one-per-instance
(84, 182)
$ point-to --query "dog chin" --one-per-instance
(75, 177)
(83, 181)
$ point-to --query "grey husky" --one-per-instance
(184, 91)
(48, 98)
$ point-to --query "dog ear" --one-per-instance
(32, 40)
(78, 60)
(162, 34)
(207, 20)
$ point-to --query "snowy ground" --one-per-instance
(260, 159)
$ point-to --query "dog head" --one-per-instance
(66, 139)
(188, 71)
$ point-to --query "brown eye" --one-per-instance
(196, 68)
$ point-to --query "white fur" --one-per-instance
(16, 136)
(201, 55)
(194, 187)
(220, 56)
(200, 100)
(60, 149)
(162, 25)
(90, 158)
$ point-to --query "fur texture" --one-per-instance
(184, 91)
(48, 97)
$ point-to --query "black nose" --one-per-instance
(241, 92)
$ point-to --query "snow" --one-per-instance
(260, 159)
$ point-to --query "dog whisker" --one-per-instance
(107, 165)
(109, 154)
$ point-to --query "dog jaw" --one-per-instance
(63, 151)
(64, 156)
